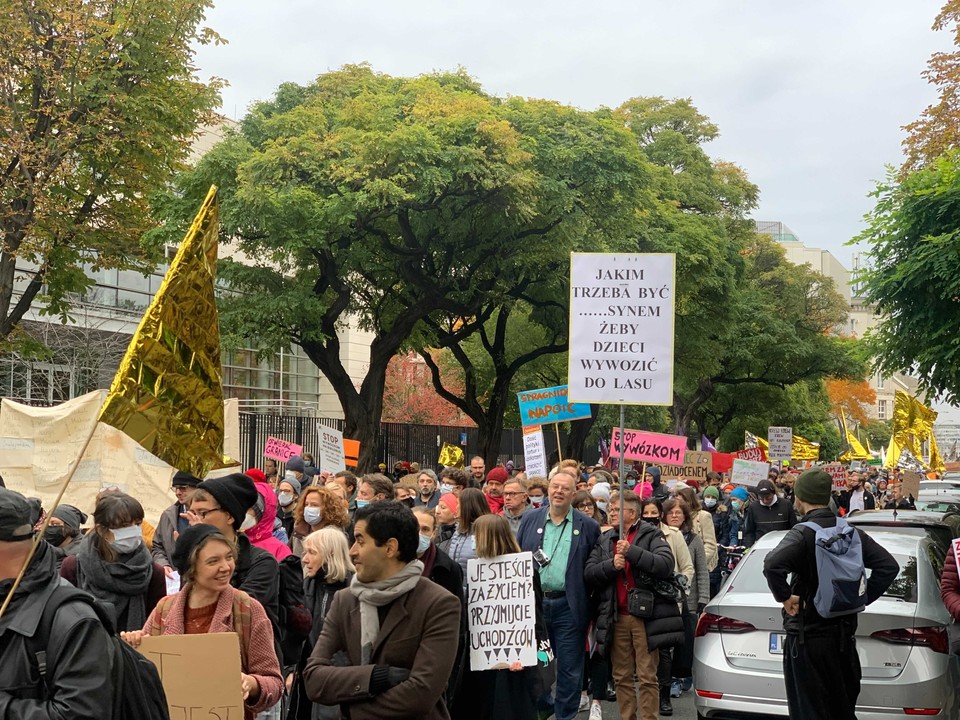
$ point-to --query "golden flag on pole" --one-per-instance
(451, 456)
(912, 424)
(167, 394)
(892, 456)
(804, 449)
(936, 461)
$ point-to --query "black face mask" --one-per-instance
(54, 535)
(652, 521)
(408, 502)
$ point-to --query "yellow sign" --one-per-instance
(167, 393)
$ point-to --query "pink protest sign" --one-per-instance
(281, 450)
(650, 447)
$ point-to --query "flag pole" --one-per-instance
(623, 430)
(556, 427)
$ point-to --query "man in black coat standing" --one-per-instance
(768, 514)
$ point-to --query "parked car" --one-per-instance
(933, 523)
(904, 654)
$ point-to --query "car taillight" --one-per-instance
(922, 711)
(710, 694)
(718, 623)
(934, 638)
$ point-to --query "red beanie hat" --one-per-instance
(498, 474)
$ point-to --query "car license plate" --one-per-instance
(777, 641)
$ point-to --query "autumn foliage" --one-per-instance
(853, 399)
(409, 397)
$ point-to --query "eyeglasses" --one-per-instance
(202, 514)
(513, 494)
(584, 506)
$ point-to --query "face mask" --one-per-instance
(362, 503)
(536, 501)
(408, 502)
(602, 505)
(709, 502)
(289, 475)
(444, 488)
(631, 482)
(652, 520)
(423, 545)
(285, 498)
(127, 539)
(54, 535)
(312, 515)
(248, 522)
(735, 504)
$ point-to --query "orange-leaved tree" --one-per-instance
(853, 399)
(409, 395)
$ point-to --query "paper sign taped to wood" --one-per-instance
(534, 451)
(331, 456)
(648, 447)
(748, 472)
(38, 446)
(500, 611)
(281, 450)
(695, 466)
(179, 658)
(911, 484)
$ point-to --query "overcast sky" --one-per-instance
(809, 96)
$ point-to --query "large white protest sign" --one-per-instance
(534, 451)
(748, 472)
(500, 611)
(780, 443)
(330, 457)
(621, 328)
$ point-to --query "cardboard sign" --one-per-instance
(281, 450)
(780, 443)
(331, 455)
(621, 328)
(910, 484)
(756, 454)
(351, 452)
(839, 474)
(500, 611)
(653, 448)
(180, 657)
(534, 452)
(549, 405)
(748, 472)
(695, 466)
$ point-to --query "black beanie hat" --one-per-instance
(235, 493)
(186, 542)
(184, 479)
(72, 517)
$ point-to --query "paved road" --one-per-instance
(682, 709)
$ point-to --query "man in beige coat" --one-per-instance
(389, 640)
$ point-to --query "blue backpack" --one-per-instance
(842, 588)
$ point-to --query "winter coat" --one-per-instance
(759, 519)
(703, 526)
(699, 592)
(163, 539)
(683, 563)
(648, 554)
(721, 530)
(80, 687)
(461, 547)
(261, 534)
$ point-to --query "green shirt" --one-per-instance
(556, 545)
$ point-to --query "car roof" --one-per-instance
(894, 542)
(900, 517)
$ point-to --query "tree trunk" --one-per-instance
(577, 437)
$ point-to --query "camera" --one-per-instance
(540, 558)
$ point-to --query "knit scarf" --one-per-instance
(377, 594)
(122, 583)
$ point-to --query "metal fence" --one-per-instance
(395, 442)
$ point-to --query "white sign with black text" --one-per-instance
(331, 456)
(621, 328)
(780, 443)
(500, 611)
(534, 451)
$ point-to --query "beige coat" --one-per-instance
(682, 562)
(703, 526)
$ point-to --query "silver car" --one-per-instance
(901, 641)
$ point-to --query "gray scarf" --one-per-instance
(123, 583)
(377, 594)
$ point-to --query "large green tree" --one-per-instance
(100, 100)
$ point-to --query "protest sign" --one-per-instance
(780, 443)
(654, 448)
(549, 405)
(695, 466)
(839, 474)
(748, 472)
(351, 452)
(757, 454)
(534, 452)
(621, 328)
(330, 457)
(500, 611)
(281, 450)
(911, 484)
(178, 658)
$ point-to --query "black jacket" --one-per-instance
(759, 519)
(448, 575)
(796, 554)
(869, 501)
(648, 554)
(79, 677)
(721, 528)
(258, 574)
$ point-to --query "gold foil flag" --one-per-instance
(167, 394)
(451, 456)
(804, 449)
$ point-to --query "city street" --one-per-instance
(682, 709)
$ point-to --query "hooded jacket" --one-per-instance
(261, 534)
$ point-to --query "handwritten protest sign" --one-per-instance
(534, 452)
(549, 405)
(621, 328)
(331, 456)
(748, 472)
(911, 485)
(756, 454)
(178, 658)
(695, 466)
(500, 611)
(654, 448)
(780, 443)
(281, 450)
(839, 474)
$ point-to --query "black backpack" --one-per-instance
(137, 690)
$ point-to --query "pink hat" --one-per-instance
(646, 490)
(450, 500)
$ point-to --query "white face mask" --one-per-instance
(536, 500)
(248, 522)
(311, 515)
(602, 505)
(445, 489)
(127, 539)
(709, 502)
(284, 498)
(423, 545)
